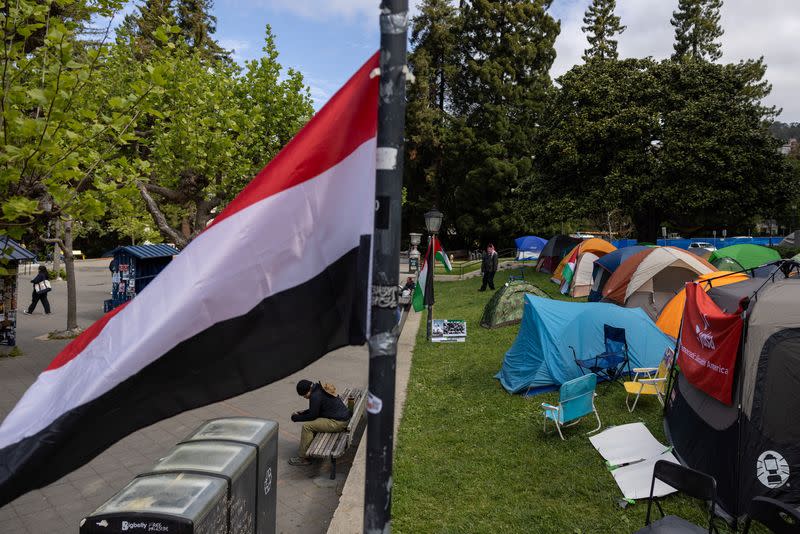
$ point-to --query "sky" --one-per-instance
(327, 40)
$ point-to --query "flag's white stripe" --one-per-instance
(268, 247)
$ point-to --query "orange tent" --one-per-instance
(670, 319)
(598, 247)
(650, 278)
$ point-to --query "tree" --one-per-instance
(432, 61)
(141, 26)
(601, 25)
(210, 131)
(506, 49)
(697, 30)
(198, 25)
(61, 130)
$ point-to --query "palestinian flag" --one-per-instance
(279, 279)
(421, 298)
(569, 271)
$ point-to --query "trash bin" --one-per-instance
(263, 436)
(236, 463)
(178, 503)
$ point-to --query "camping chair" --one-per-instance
(685, 480)
(575, 400)
(610, 364)
(777, 516)
(520, 276)
(649, 381)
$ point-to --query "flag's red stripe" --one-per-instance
(77, 345)
(313, 150)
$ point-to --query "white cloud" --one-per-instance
(242, 50)
(766, 28)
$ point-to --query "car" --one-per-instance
(705, 245)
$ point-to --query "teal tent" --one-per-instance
(540, 358)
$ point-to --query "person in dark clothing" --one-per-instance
(488, 267)
(37, 296)
(326, 413)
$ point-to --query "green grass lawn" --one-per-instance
(472, 458)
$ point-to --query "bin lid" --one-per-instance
(177, 494)
(246, 429)
(217, 457)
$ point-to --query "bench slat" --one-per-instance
(327, 444)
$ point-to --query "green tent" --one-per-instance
(506, 305)
(740, 257)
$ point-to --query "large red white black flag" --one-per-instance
(279, 279)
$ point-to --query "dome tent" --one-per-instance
(741, 257)
(604, 267)
(752, 445)
(574, 272)
(555, 249)
(540, 358)
(505, 306)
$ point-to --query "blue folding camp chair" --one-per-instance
(575, 400)
(610, 364)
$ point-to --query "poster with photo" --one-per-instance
(448, 331)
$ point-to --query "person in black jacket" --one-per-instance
(326, 413)
(41, 277)
(488, 267)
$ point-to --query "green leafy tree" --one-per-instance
(506, 49)
(697, 30)
(601, 25)
(433, 64)
(61, 129)
(146, 26)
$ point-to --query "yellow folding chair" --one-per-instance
(649, 381)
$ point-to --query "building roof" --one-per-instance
(11, 250)
(145, 251)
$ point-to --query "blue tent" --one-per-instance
(605, 266)
(529, 247)
(540, 357)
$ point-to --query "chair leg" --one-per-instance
(333, 468)
(558, 427)
(631, 408)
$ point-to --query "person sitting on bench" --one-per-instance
(326, 413)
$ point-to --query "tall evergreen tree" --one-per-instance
(198, 25)
(432, 61)
(141, 26)
(601, 27)
(506, 51)
(697, 30)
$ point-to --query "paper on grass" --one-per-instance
(634, 480)
(625, 444)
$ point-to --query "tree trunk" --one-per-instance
(69, 265)
(57, 250)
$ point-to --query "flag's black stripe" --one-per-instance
(280, 336)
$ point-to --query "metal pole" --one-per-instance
(385, 267)
(431, 267)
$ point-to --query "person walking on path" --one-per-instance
(326, 413)
(488, 267)
(40, 291)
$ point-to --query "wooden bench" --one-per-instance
(334, 445)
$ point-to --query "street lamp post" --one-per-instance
(433, 221)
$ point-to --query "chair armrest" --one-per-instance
(652, 380)
(645, 369)
(550, 407)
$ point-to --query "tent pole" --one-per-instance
(385, 267)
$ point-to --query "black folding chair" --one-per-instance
(693, 483)
(610, 364)
(777, 516)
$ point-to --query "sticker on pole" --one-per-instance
(772, 469)
(374, 404)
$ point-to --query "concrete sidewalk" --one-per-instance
(306, 499)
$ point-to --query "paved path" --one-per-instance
(306, 501)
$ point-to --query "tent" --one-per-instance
(581, 271)
(604, 267)
(669, 321)
(529, 247)
(505, 306)
(554, 250)
(752, 445)
(540, 356)
(650, 278)
(741, 257)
